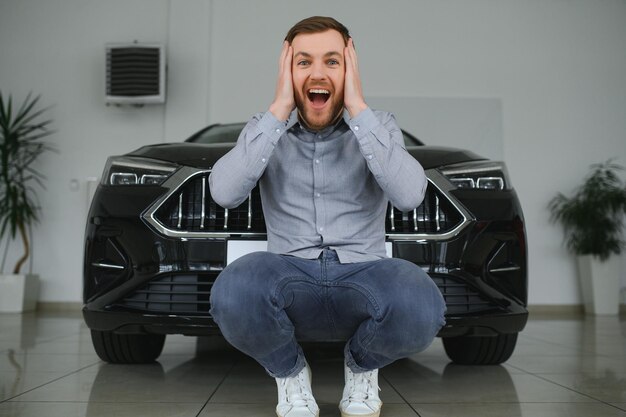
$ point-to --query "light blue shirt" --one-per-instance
(326, 189)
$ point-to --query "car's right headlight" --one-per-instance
(486, 175)
(128, 170)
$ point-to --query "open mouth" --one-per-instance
(318, 96)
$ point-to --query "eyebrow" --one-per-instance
(326, 55)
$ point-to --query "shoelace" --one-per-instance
(295, 395)
(362, 387)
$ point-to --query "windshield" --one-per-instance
(229, 133)
(218, 134)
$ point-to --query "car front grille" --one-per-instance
(188, 294)
(190, 210)
(436, 215)
(461, 298)
(184, 294)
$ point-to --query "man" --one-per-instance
(326, 165)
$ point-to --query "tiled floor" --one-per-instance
(562, 367)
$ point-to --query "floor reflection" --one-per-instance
(562, 366)
(12, 389)
(221, 370)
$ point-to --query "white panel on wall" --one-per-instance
(466, 123)
(188, 68)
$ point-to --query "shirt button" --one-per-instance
(356, 128)
(321, 229)
(263, 160)
(277, 130)
(369, 156)
(318, 195)
(319, 136)
(317, 161)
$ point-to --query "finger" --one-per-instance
(289, 58)
(287, 63)
(353, 57)
(351, 70)
(283, 53)
(349, 57)
(285, 74)
(349, 61)
(285, 57)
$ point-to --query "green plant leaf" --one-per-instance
(593, 218)
(21, 134)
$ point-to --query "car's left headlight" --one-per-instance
(486, 175)
(127, 170)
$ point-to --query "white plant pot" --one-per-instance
(18, 293)
(600, 282)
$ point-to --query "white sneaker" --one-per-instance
(360, 395)
(295, 398)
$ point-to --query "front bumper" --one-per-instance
(133, 272)
(136, 322)
(159, 302)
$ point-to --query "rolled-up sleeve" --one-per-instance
(235, 174)
(381, 143)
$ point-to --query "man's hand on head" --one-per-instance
(284, 102)
(353, 93)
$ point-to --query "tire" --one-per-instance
(480, 350)
(127, 348)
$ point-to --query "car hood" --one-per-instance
(204, 156)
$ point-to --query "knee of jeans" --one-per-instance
(236, 291)
(226, 293)
(217, 300)
(417, 335)
(420, 311)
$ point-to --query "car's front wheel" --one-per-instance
(480, 350)
(127, 348)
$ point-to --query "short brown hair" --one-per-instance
(316, 24)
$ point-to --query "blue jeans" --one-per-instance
(386, 309)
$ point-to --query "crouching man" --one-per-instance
(327, 166)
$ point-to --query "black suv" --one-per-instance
(155, 242)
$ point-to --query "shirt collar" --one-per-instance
(293, 121)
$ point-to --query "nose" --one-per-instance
(318, 71)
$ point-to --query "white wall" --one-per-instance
(557, 66)
(56, 48)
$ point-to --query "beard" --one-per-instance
(317, 120)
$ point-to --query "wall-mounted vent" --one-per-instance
(135, 73)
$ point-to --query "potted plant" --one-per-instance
(21, 134)
(593, 220)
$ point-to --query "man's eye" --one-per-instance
(333, 62)
(303, 62)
